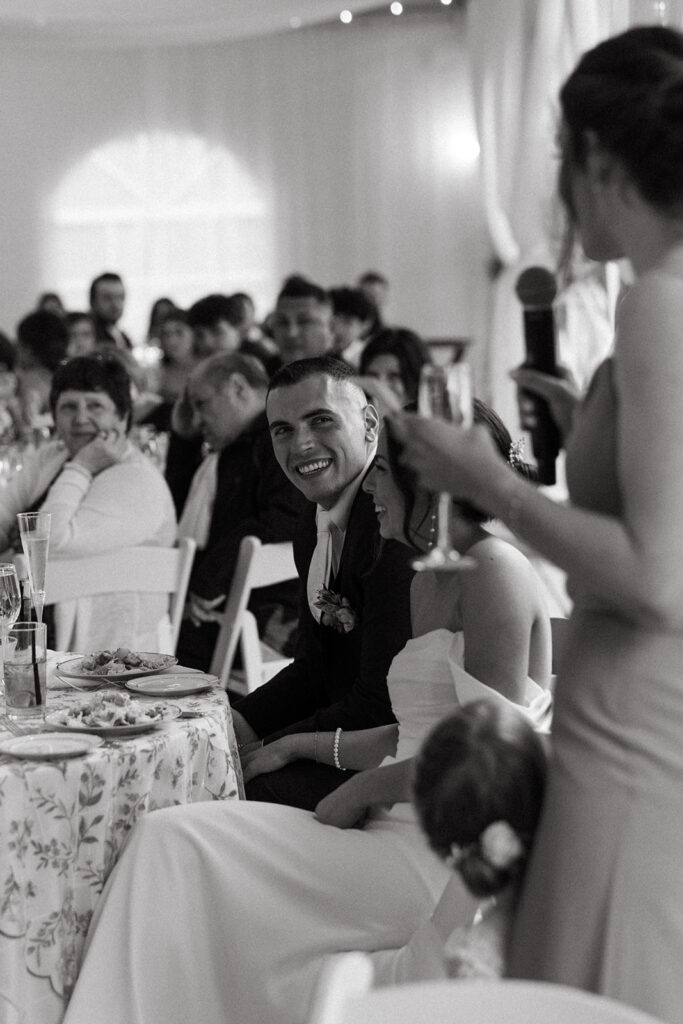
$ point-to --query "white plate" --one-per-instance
(71, 669)
(113, 731)
(49, 746)
(172, 685)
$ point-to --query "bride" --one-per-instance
(226, 912)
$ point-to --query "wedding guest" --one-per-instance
(390, 366)
(160, 310)
(478, 789)
(214, 320)
(103, 494)
(353, 316)
(300, 888)
(599, 907)
(302, 321)
(41, 346)
(107, 302)
(81, 331)
(376, 287)
(238, 491)
(50, 302)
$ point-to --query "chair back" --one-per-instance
(258, 565)
(482, 1002)
(147, 569)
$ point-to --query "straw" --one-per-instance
(36, 674)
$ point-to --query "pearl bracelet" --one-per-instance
(335, 750)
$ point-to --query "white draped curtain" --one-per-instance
(520, 54)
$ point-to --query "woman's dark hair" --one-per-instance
(409, 350)
(482, 764)
(406, 480)
(45, 336)
(101, 372)
(8, 352)
(629, 91)
(161, 307)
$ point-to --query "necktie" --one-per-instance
(321, 562)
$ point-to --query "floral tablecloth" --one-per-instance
(63, 825)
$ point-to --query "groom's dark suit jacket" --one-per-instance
(339, 679)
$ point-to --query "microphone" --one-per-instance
(536, 290)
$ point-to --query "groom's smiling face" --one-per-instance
(323, 432)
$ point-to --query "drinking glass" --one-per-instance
(34, 529)
(26, 671)
(445, 393)
(10, 605)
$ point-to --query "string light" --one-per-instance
(396, 8)
(346, 17)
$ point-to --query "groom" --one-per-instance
(324, 435)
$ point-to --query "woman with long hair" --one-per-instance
(601, 904)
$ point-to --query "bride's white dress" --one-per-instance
(226, 912)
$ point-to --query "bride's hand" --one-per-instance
(344, 807)
(446, 457)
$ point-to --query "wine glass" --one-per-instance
(34, 529)
(10, 606)
(445, 393)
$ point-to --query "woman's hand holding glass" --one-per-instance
(446, 457)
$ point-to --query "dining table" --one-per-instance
(64, 823)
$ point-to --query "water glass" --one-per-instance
(26, 671)
(10, 605)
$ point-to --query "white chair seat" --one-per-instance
(146, 569)
(258, 565)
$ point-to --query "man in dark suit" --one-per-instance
(107, 299)
(324, 435)
(238, 491)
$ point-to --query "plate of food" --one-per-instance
(116, 665)
(172, 685)
(112, 715)
(49, 746)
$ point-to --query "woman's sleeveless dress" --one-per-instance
(602, 905)
(226, 912)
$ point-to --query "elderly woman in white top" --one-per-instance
(103, 494)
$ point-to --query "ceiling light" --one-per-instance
(346, 17)
(396, 8)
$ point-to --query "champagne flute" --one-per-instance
(10, 606)
(445, 393)
(34, 529)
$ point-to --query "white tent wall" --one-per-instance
(357, 135)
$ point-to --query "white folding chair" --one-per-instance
(258, 565)
(464, 1002)
(145, 569)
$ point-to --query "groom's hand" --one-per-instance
(259, 760)
(344, 807)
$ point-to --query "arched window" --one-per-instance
(173, 214)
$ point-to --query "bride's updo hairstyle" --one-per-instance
(420, 504)
(628, 90)
(478, 789)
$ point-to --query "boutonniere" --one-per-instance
(336, 611)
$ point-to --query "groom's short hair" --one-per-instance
(293, 373)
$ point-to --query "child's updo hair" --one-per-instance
(629, 91)
(478, 786)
